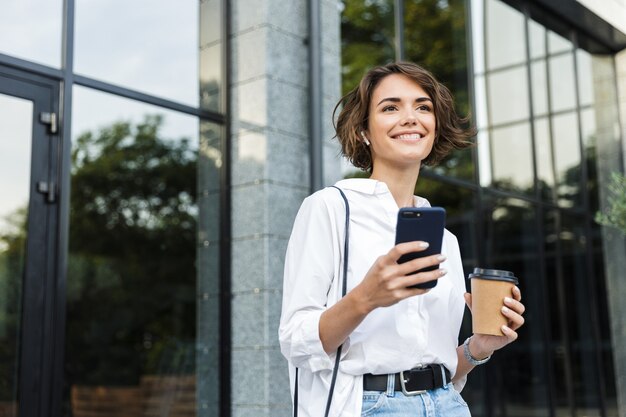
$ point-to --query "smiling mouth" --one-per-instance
(409, 136)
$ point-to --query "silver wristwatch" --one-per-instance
(472, 360)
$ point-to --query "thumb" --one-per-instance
(468, 300)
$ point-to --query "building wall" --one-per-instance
(270, 178)
(613, 11)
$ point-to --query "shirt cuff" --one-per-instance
(309, 351)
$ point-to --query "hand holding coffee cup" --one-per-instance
(489, 288)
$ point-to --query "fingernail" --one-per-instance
(505, 309)
(423, 245)
(508, 300)
(441, 258)
(443, 271)
(504, 329)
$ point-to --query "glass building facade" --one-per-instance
(152, 160)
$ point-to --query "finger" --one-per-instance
(515, 305)
(515, 320)
(517, 294)
(468, 300)
(418, 264)
(423, 277)
(509, 333)
(408, 247)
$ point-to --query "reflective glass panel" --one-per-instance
(32, 30)
(562, 82)
(567, 159)
(126, 43)
(537, 35)
(508, 95)
(580, 327)
(511, 158)
(211, 56)
(539, 85)
(512, 244)
(558, 347)
(585, 77)
(557, 43)
(506, 43)
(143, 266)
(367, 38)
(545, 167)
(16, 128)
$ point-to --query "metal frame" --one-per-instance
(37, 330)
(225, 353)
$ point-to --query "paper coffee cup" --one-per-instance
(489, 287)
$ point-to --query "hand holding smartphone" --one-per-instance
(425, 224)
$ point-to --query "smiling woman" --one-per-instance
(393, 339)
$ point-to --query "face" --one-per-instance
(401, 125)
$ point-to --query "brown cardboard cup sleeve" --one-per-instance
(489, 287)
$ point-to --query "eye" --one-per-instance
(389, 108)
(424, 108)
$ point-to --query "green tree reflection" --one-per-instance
(12, 247)
(434, 37)
(131, 278)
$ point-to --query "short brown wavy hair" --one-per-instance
(452, 131)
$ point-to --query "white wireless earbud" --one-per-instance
(367, 142)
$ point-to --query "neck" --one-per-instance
(401, 183)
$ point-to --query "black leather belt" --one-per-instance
(412, 382)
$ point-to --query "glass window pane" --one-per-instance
(537, 34)
(562, 82)
(557, 43)
(511, 156)
(545, 168)
(539, 85)
(143, 265)
(558, 346)
(16, 117)
(125, 43)
(32, 30)
(585, 77)
(211, 56)
(506, 43)
(513, 245)
(508, 95)
(367, 38)
(580, 326)
(567, 159)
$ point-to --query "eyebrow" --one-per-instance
(397, 100)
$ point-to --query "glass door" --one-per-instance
(27, 211)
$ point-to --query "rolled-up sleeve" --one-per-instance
(308, 289)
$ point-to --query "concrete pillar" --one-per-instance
(270, 178)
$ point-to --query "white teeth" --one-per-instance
(412, 136)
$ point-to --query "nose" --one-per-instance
(409, 119)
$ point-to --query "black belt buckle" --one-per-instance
(403, 384)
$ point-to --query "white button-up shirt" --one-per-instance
(419, 330)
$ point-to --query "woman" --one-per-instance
(400, 354)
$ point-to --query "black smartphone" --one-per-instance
(425, 224)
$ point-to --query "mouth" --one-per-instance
(408, 136)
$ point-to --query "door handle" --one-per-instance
(48, 189)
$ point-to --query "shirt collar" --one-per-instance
(363, 185)
(373, 187)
